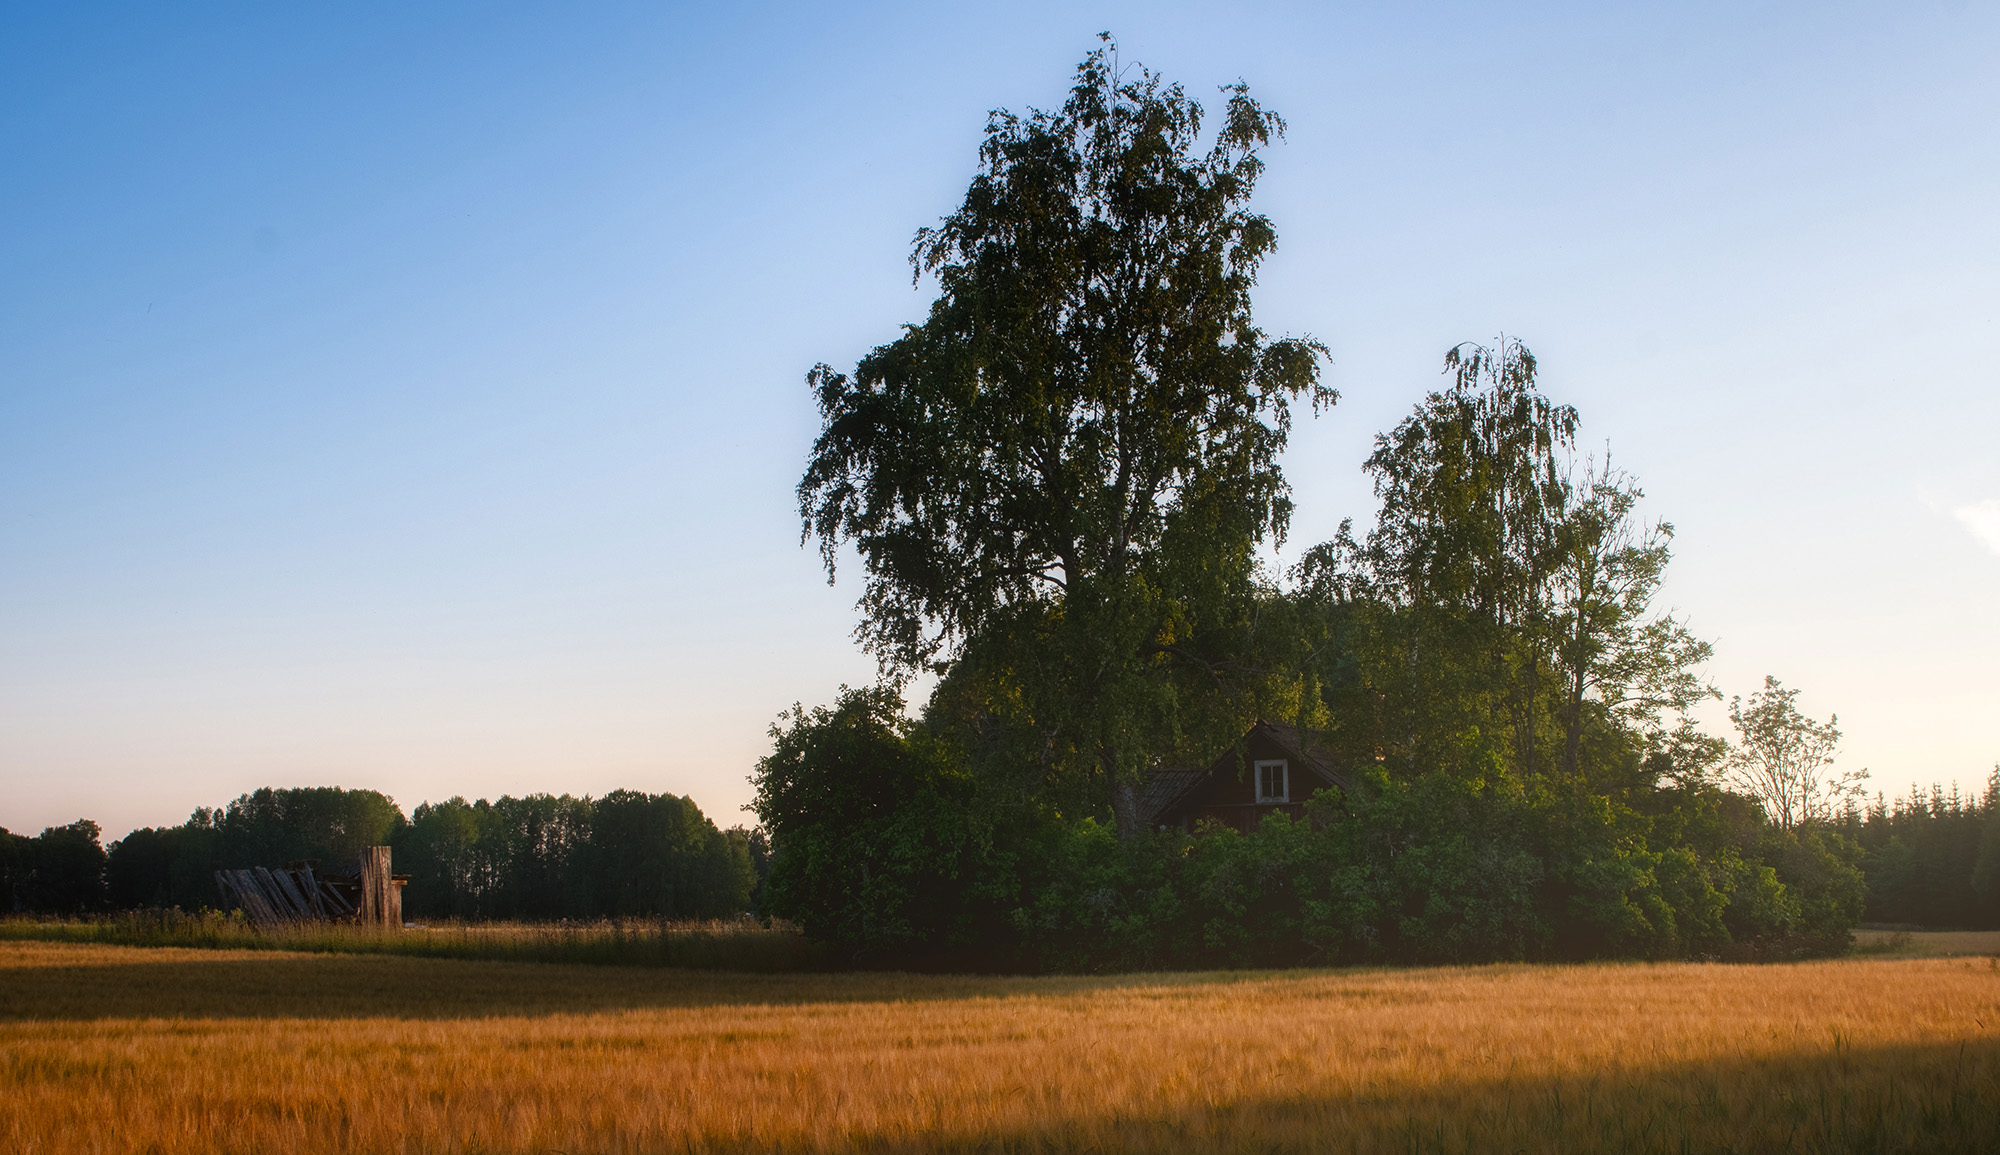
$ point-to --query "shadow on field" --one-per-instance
(169, 984)
(1941, 1098)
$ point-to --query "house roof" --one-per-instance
(1164, 787)
(1310, 753)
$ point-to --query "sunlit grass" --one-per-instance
(108, 1049)
(717, 945)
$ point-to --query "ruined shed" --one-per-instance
(299, 892)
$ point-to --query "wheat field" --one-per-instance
(115, 1049)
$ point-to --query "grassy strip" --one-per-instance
(1903, 943)
(734, 946)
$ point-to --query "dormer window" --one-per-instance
(1273, 783)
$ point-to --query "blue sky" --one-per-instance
(410, 397)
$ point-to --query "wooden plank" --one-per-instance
(310, 886)
(254, 905)
(296, 898)
(274, 885)
(335, 900)
(378, 901)
(236, 888)
(272, 891)
(246, 895)
(258, 902)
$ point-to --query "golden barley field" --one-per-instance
(118, 1049)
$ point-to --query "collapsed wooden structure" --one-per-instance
(298, 893)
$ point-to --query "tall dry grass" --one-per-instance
(105, 1049)
(737, 945)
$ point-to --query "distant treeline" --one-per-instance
(1932, 861)
(627, 854)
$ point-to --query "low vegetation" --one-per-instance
(737, 945)
(109, 1049)
(1927, 943)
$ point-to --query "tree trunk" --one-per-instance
(1125, 808)
(1573, 727)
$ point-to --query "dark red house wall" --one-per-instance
(1229, 794)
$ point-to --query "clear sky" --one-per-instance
(410, 396)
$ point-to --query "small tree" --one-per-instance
(1784, 759)
(1608, 647)
(1513, 585)
(66, 869)
(877, 840)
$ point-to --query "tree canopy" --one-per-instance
(1506, 588)
(1784, 759)
(1079, 445)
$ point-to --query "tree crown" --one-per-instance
(1089, 391)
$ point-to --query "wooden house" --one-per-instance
(1273, 769)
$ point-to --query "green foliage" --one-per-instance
(14, 850)
(878, 837)
(1505, 589)
(1436, 868)
(326, 824)
(1932, 860)
(1063, 472)
(654, 854)
(60, 871)
(138, 868)
(626, 855)
(174, 866)
(1985, 904)
(447, 853)
(1783, 759)
(1509, 711)
(1820, 869)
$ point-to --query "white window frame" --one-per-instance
(1284, 793)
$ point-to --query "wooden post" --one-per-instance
(381, 899)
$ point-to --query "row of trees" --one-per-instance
(895, 841)
(558, 856)
(1060, 486)
(1928, 860)
(59, 871)
(1932, 860)
(627, 854)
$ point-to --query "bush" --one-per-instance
(1439, 868)
(65, 870)
(878, 839)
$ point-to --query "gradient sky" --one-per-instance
(411, 396)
